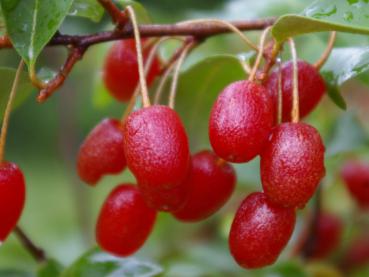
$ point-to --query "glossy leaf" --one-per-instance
(50, 268)
(350, 16)
(342, 65)
(90, 9)
(32, 23)
(96, 263)
(24, 88)
(347, 135)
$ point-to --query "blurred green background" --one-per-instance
(43, 140)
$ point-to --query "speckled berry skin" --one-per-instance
(102, 152)
(240, 121)
(156, 147)
(260, 231)
(327, 236)
(125, 221)
(12, 197)
(311, 88)
(292, 164)
(120, 72)
(211, 183)
(355, 175)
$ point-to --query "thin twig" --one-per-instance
(8, 109)
(319, 63)
(117, 16)
(295, 112)
(37, 253)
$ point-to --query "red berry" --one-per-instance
(311, 88)
(326, 237)
(12, 197)
(156, 147)
(260, 231)
(210, 184)
(125, 221)
(356, 176)
(357, 253)
(292, 164)
(120, 71)
(240, 121)
(102, 152)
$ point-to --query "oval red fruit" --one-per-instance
(311, 88)
(292, 164)
(120, 71)
(156, 147)
(211, 183)
(125, 221)
(102, 152)
(240, 121)
(356, 177)
(357, 253)
(260, 231)
(12, 197)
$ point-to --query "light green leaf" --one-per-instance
(90, 9)
(50, 268)
(348, 135)
(342, 65)
(141, 12)
(31, 24)
(24, 88)
(350, 16)
(98, 264)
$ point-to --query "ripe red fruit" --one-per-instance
(102, 152)
(120, 71)
(260, 231)
(327, 236)
(357, 253)
(240, 121)
(292, 164)
(125, 221)
(356, 177)
(210, 184)
(156, 147)
(12, 197)
(311, 88)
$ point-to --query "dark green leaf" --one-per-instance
(87, 8)
(348, 135)
(342, 65)
(50, 268)
(15, 273)
(24, 88)
(32, 23)
(289, 269)
(99, 264)
(325, 15)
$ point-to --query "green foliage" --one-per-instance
(325, 15)
(141, 13)
(24, 88)
(31, 24)
(15, 273)
(97, 264)
(50, 268)
(90, 9)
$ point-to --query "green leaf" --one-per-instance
(141, 13)
(342, 65)
(15, 273)
(347, 135)
(90, 9)
(198, 88)
(31, 24)
(99, 264)
(24, 88)
(101, 98)
(50, 268)
(350, 16)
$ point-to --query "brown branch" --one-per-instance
(35, 251)
(117, 16)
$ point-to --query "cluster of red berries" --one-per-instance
(153, 144)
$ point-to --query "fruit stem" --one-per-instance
(319, 63)
(149, 61)
(143, 84)
(164, 78)
(280, 96)
(173, 89)
(8, 109)
(37, 253)
(295, 112)
(260, 54)
(227, 24)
